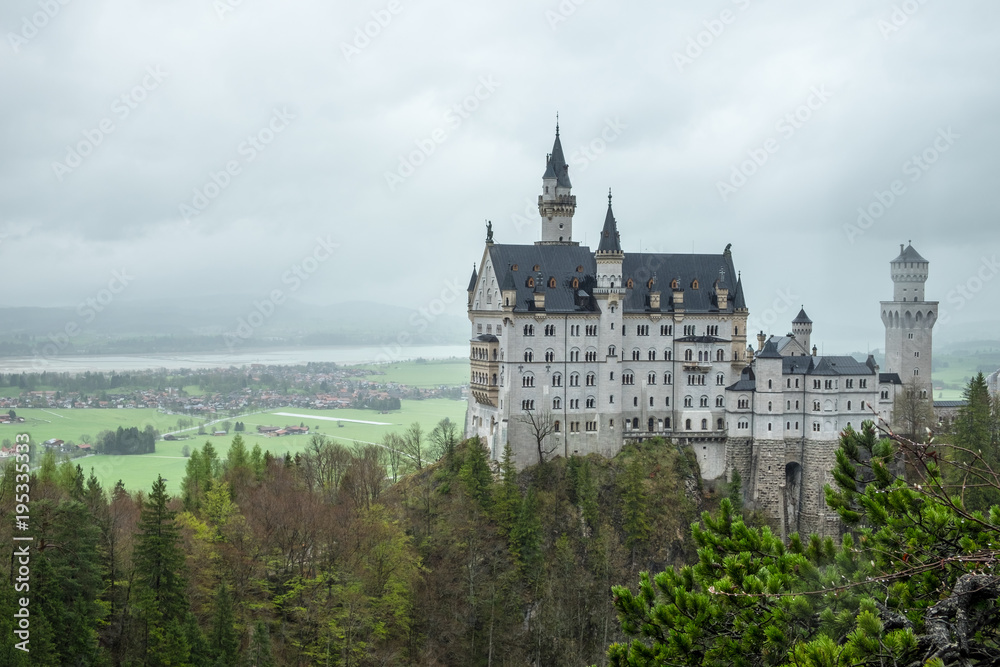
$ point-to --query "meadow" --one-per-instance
(421, 374)
(139, 472)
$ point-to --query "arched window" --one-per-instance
(557, 380)
(552, 282)
(529, 356)
(556, 403)
(576, 283)
(556, 426)
(530, 282)
(550, 356)
(687, 424)
(694, 284)
(688, 355)
(720, 355)
(704, 424)
(719, 424)
(651, 355)
(611, 351)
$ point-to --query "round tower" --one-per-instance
(802, 328)
(556, 204)
(909, 273)
(909, 321)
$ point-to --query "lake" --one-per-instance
(276, 357)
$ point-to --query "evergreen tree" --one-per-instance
(735, 490)
(915, 581)
(526, 536)
(160, 581)
(635, 506)
(475, 473)
(507, 497)
(978, 450)
(224, 643)
(260, 653)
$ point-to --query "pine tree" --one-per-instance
(635, 506)
(507, 496)
(978, 448)
(475, 473)
(224, 643)
(160, 581)
(526, 536)
(260, 653)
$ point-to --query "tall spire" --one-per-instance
(556, 205)
(609, 235)
(556, 166)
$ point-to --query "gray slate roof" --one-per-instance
(610, 242)
(802, 318)
(840, 366)
(770, 351)
(556, 166)
(747, 381)
(561, 262)
(472, 281)
(949, 404)
(889, 378)
(908, 254)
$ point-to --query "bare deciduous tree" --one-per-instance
(541, 426)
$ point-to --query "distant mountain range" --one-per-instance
(202, 322)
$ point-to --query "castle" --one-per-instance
(575, 351)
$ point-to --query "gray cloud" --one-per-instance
(686, 129)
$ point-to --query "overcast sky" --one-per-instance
(204, 147)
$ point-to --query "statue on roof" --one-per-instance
(489, 231)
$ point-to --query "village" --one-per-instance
(208, 393)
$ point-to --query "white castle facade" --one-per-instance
(591, 349)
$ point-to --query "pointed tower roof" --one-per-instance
(802, 318)
(508, 282)
(908, 254)
(609, 235)
(739, 301)
(472, 281)
(556, 166)
(770, 351)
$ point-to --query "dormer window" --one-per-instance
(576, 283)
(536, 268)
(514, 267)
(674, 284)
(579, 269)
(630, 284)
(531, 282)
(649, 285)
(694, 284)
(552, 282)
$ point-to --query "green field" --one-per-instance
(44, 424)
(952, 371)
(422, 374)
(139, 472)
